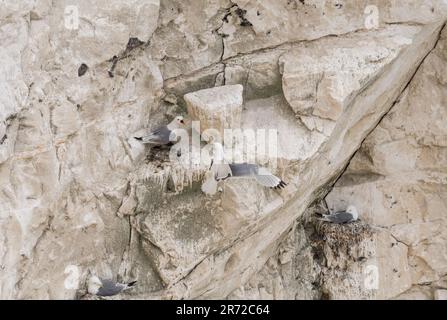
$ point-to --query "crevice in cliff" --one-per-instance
(215, 252)
(266, 49)
(405, 23)
(334, 182)
(26, 261)
(126, 258)
(222, 36)
(311, 229)
(132, 45)
(399, 241)
(190, 270)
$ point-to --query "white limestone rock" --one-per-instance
(319, 79)
(397, 178)
(216, 108)
(79, 195)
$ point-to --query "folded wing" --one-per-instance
(339, 217)
(159, 136)
(110, 288)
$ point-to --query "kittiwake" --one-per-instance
(222, 171)
(162, 135)
(341, 217)
(106, 287)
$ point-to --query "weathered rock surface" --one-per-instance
(330, 73)
(398, 178)
(397, 181)
(216, 108)
(79, 195)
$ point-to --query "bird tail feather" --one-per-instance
(147, 139)
(130, 285)
(324, 217)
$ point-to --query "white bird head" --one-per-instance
(353, 210)
(93, 285)
(178, 122)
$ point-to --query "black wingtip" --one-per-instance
(281, 185)
(138, 138)
(131, 284)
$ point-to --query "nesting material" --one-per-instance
(337, 236)
(159, 169)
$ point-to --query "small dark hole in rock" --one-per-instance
(82, 70)
(134, 43)
(240, 12)
(170, 187)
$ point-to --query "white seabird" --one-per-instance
(161, 135)
(222, 171)
(106, 287)
(340, 217)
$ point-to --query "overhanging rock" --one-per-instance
(235, 243)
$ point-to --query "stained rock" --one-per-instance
(79, 196)
(216, 108)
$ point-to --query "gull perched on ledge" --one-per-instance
(341, 217)
(106, 287)
(161, 135)
(222, 171)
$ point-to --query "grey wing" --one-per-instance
(270, 181)
(262, 175)
(243, 169)
(267, 179)
(158, 136)
(110, 288)
(164, 133)
(340, 217)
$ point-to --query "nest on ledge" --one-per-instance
(342, 235)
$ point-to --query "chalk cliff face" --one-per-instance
(356, 92)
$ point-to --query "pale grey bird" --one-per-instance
(222, 171)
(341, 217)
(161, 135)
(106, 287)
